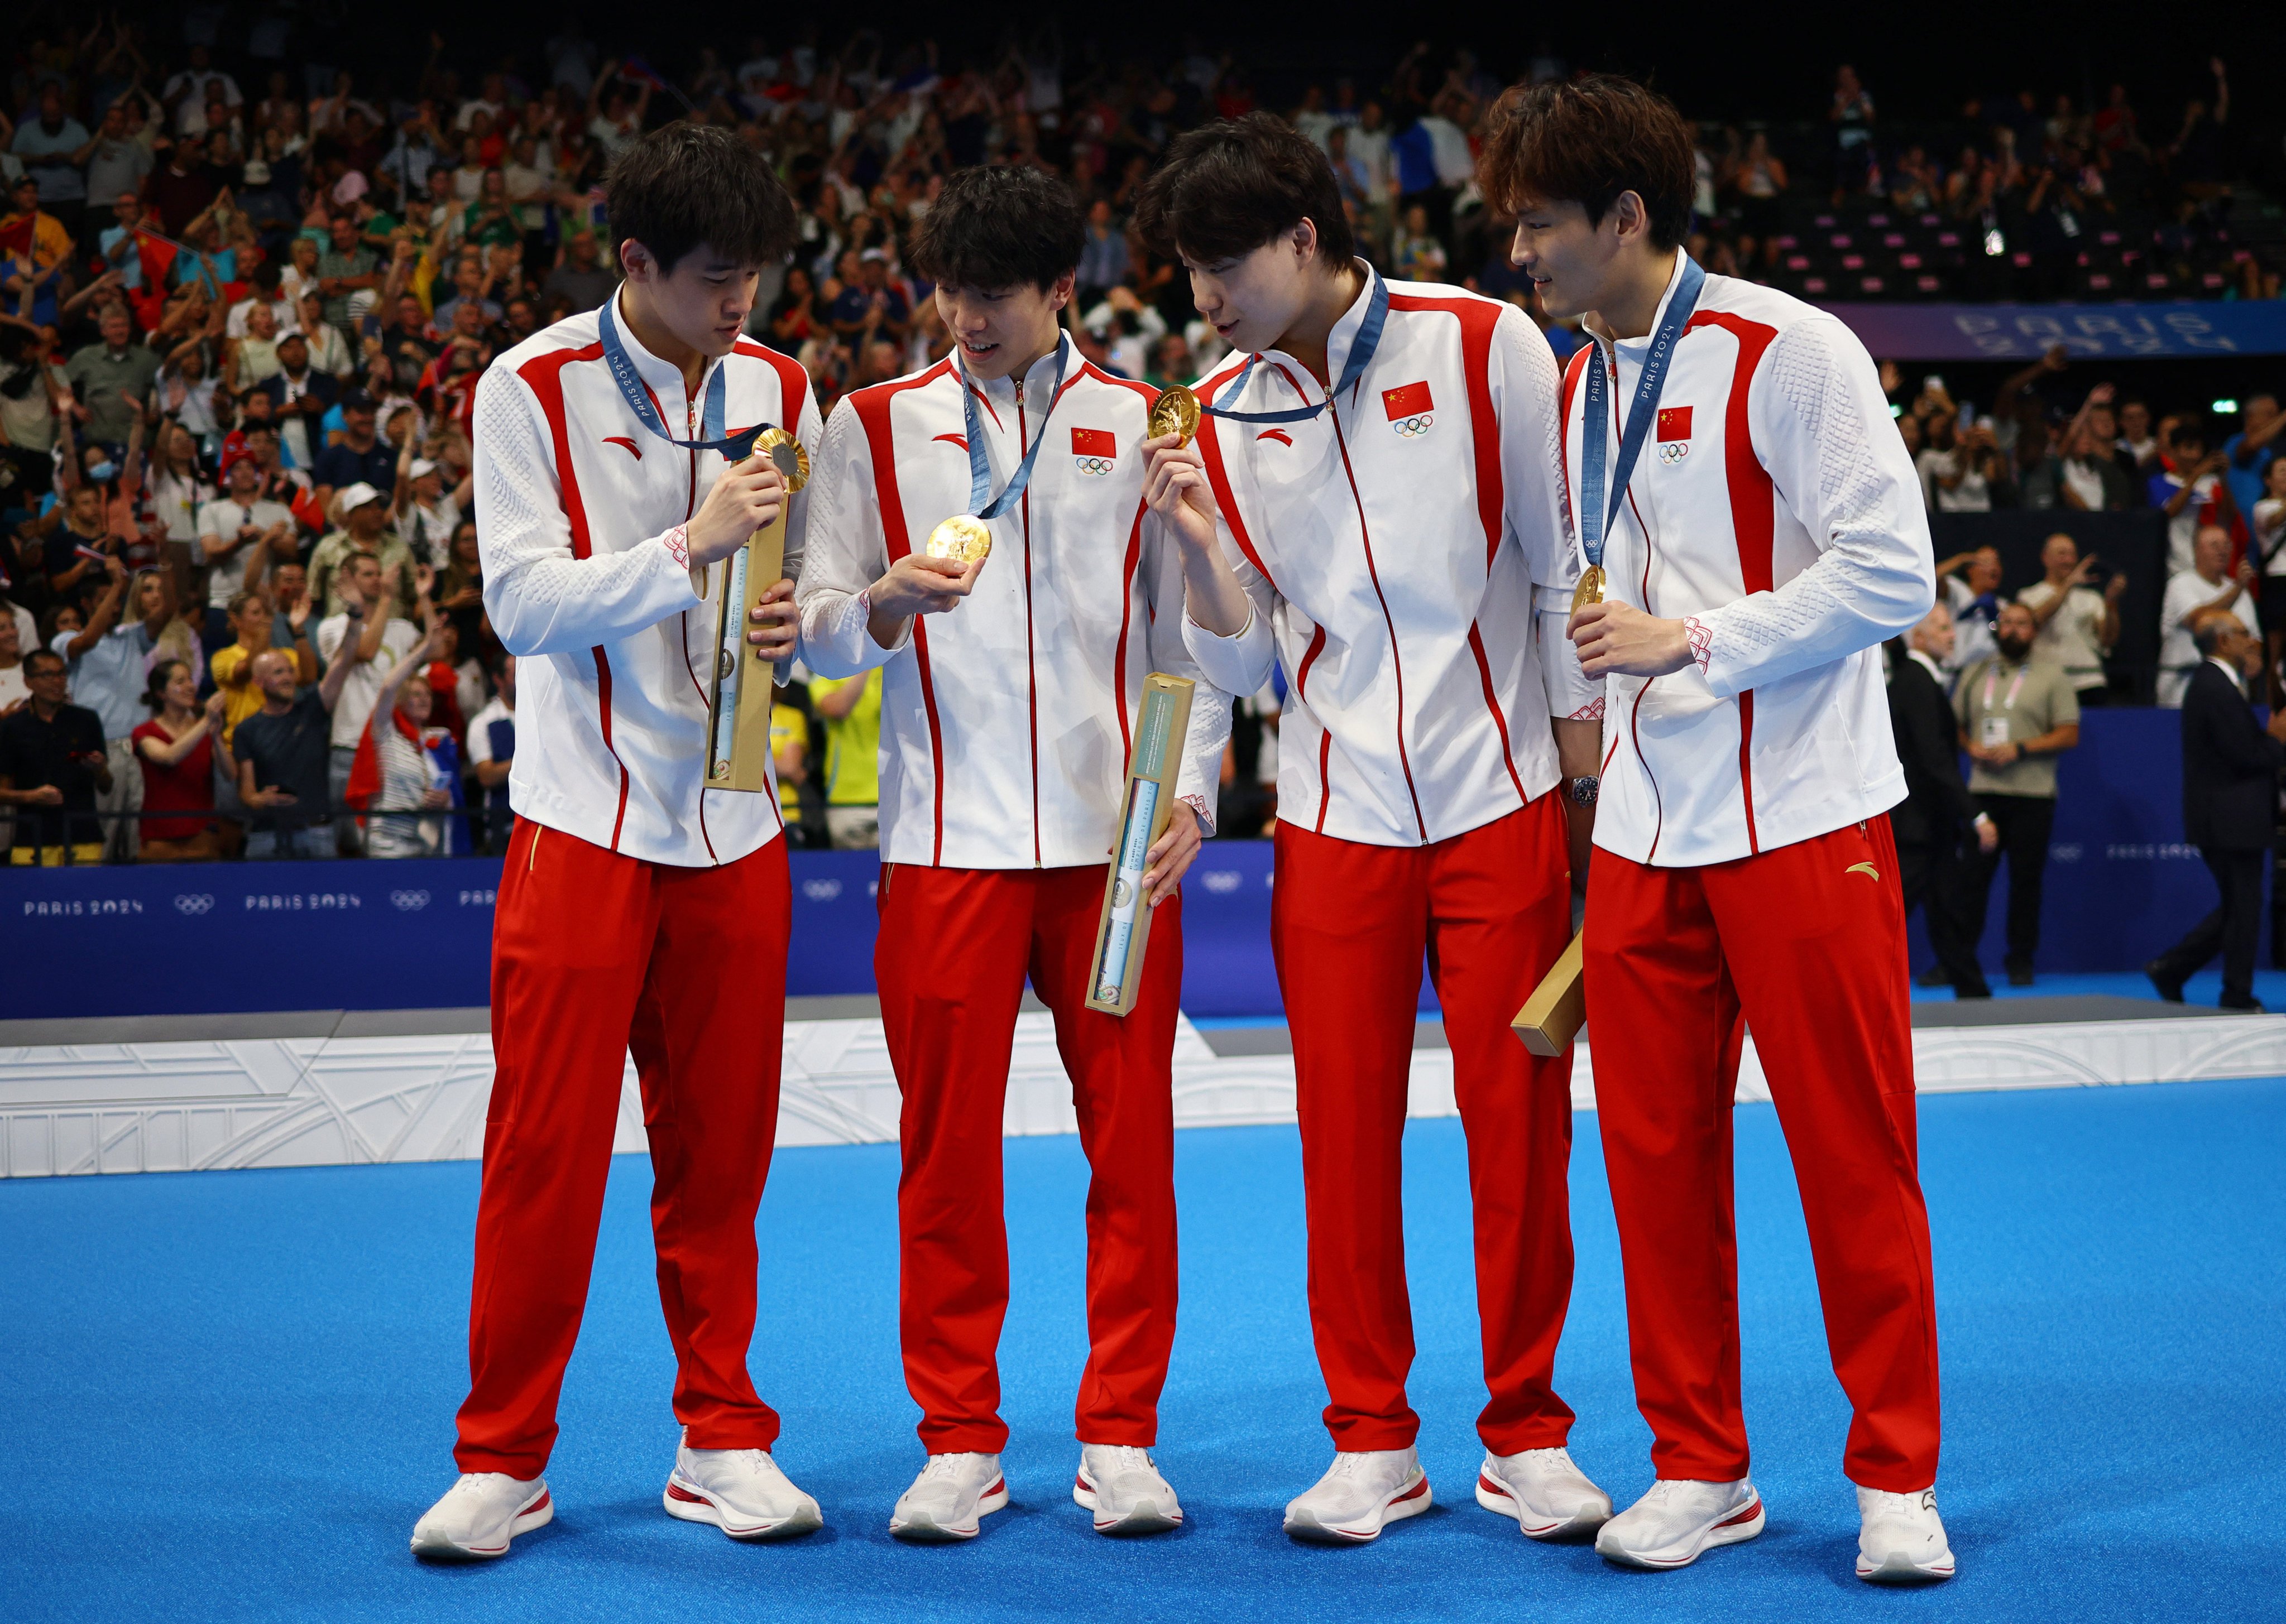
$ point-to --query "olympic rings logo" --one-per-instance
(1413, 427)
(1674, 451)
(408, 902)
(1096, 465)
(195, 902)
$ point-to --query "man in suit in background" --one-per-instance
(1929, 822)
(2230, 808)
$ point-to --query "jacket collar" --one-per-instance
(664, 377)
(1039, 377)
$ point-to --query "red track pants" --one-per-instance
(1806, 946)
(595, 954)
(1349, 924)
(955, 947)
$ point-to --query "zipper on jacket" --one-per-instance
(1395, 661)
(1031, 668)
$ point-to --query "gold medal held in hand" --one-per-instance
(1176, 411)
(1591, 589)
(786, 454)
(962, 538)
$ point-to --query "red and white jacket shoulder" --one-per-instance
(1006, 723)
(580, 514)
(1774, 510)
(1407, 556)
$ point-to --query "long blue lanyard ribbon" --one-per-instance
(981, 502)
(1360, 356)
(734, 447)
(1596, 517)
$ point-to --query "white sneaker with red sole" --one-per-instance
(1678, 1520)
(1362, 1492)
(1549, 1496)
(742, 1492)
(479, 1515)
(1122, 1486)
(1900, 1539)
(950, 1498)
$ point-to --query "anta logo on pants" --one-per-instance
(1411, 412)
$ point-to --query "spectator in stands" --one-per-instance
(110, 381)
(2248, 454)
(283, 752)
(360, 457)
(426, 512)
(361, 512)
(580, 280)
(54, 766)
(2230, 809)
(176, 750)
(398, 784)
(382, 641)
(1972, 592)
(292, 616)
(2269, 541)
(2078, 625)
(238, 537)
(2195, 499)
(2090, 479)
(15, 690)
(107, 657)
(492, 753)
(850, 707)
(1938, 810)
(2207, 588)
(300, 396)
(1960, 467)
(2139, 447)
(790, 756)
(2017, 715)
(251, 621)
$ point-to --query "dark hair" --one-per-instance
(1228, 187)
(44, 654)
(998, 228)
(154, 686)
(2190, 426)
(692, 184)
(1584, 142)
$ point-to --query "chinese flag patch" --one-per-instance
(1674, 422)
(1410, 400)
(1094, 443)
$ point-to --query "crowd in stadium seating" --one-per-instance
(243, 306)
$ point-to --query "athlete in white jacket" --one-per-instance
(1008, 710)
(1768, 535)
(1379, 513)
(636, 909)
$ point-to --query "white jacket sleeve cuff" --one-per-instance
(1236, 664)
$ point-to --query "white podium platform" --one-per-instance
(173, 1093)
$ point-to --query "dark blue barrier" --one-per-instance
(231, 937)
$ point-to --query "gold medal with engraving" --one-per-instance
(786, 454)
(1591, 589)
(960, 539)
(1176, 411)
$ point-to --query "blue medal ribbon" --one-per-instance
(734, 447)
(1596, 516)
(981, 502)
(1360, 356)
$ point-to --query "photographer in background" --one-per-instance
(2078, 626)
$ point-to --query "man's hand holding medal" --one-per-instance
(748, 496)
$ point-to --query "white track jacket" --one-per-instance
(1410, 565)
(1006, 723)
(580, 516)
(1775, 510)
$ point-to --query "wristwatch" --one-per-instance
(1583, 790)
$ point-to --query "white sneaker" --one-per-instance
(949, 1498)
(1900, 1540)
(480, 1514)
(1549, 1497)
(1122, 1486)
(1362, 1491)
(742, 1492)
(1678, 1519)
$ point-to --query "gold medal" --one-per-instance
(783, 452)
(1176, 411)
(1591, 589)
(962, 538)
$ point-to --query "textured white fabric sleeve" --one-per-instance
(1822, 430)
(1168, 650)
(1238, 663)
(848, 552)
(541, 600)
(1525, 394)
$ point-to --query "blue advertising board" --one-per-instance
(2196, 330)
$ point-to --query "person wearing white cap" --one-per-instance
(360, 518)
(426, 513)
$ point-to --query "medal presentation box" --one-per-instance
(1552, 1016)
(738, 703)
(1125, 933)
